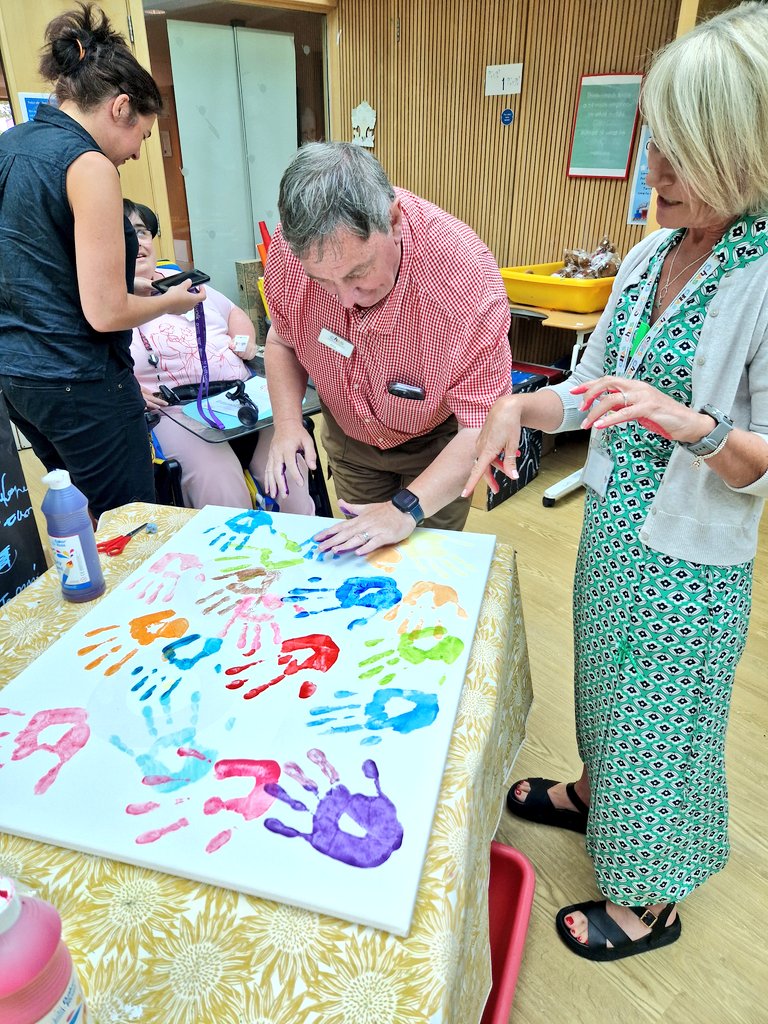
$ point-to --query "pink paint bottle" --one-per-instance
(38, 984)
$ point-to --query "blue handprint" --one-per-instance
(151, 679)
(376, 816)
(240, 529)
(376, 592)
(196, 761)
(240, 535)
(311, 551)
(423, 711)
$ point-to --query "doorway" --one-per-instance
(242, 88)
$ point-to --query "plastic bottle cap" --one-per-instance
(10, 907)
(57, 479)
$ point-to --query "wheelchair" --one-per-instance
(168, 472)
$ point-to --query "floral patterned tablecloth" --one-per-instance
(155, 949)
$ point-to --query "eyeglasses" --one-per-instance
(143, 234)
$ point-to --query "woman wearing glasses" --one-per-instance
(165, 353)
(67, 264)
(674, 382)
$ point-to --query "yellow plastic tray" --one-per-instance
(533, 285)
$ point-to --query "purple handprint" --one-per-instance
(375, 815)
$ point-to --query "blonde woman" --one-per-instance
(674, 385)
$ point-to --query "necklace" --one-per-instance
(662, 291)
(152, 357)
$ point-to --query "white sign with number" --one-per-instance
(503, 79)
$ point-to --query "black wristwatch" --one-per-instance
(715, 439)
(406, 501)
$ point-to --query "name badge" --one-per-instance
(336, 342)
(598, 470)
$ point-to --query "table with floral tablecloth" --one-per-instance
(156, 949)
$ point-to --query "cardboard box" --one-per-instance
(525, 377)
(248, 273)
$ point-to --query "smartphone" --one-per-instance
(406, 391)
(162, 284)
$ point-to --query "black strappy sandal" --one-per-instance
(601, 929)
(538, 807)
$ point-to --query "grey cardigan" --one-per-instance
(695, 515)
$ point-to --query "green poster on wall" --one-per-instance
(606, 114)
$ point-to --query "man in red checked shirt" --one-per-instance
(398, 313)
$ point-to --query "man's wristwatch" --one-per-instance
(715, 439)
(406, 501)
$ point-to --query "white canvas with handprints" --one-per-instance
(247, 712)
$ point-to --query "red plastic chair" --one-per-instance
(510, 895)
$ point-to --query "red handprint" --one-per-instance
(324, 652)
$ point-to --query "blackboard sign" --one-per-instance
(21, 553)
(606, 113)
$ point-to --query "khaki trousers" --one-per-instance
(364, 474)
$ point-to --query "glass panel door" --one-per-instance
(235, 92)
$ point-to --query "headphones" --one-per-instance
(248, 411)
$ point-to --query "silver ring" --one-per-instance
(366, 536)
(626, 400)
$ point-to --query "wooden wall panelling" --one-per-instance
(421, 65)
(359, 42)
(565, 39)
(447, 142)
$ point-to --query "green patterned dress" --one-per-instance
(657, 640)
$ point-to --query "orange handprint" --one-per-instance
(144, 629)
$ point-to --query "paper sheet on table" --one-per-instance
(255, 388)
(226, 409)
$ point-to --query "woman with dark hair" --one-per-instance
(165, 352)
(67, 260)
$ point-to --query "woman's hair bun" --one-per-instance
(72, 35)
(89, 62)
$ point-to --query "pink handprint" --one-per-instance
(166, 573)
(63, 749)
(251, 806)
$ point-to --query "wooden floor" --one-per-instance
(718, 971)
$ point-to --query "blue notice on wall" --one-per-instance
(640, 196)
(30, 101)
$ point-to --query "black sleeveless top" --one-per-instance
(43, 332)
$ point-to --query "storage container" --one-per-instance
(533, 285)
(510, 895)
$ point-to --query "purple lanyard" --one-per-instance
(209, 417)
